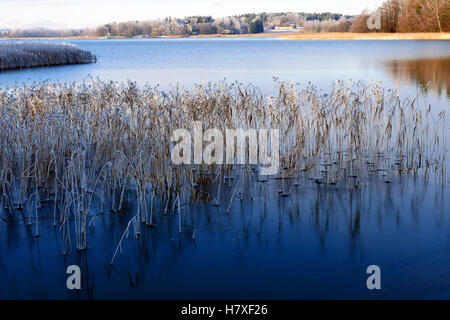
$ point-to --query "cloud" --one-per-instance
(89, 13)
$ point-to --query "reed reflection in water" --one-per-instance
(315, 243)
(426, 73)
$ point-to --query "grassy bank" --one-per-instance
(368, 36)
(53, 38)
(17, 55)
(293, 36)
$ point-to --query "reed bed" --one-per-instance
(82, 148)
(368, 36)
(17, 55)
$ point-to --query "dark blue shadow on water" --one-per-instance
(315, 243)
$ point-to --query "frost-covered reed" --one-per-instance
(76, 145)
(16, 55)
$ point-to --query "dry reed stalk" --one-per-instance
(95, 142)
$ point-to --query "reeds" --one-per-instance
(85, 146)
(17, 55)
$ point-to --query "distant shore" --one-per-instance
(286, 36)
(343, 36)
(54, 38)
(368, 36)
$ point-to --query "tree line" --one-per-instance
(237, 24)
(395, 16)
(409, 16)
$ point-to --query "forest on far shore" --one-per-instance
(396, 16)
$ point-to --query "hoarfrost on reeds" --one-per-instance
(79, 144)
(16, 55)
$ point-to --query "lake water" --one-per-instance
(317, 243)
(168, 62)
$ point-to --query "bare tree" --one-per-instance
(434, 6)
(360, 23)
(390, 14)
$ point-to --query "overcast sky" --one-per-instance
(89, 13)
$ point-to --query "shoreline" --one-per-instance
(281, 35)
(369, 36)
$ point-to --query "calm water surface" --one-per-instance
(193, 61)
(317, 243)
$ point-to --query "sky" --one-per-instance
(91, 13)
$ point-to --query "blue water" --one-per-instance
(317, 243)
